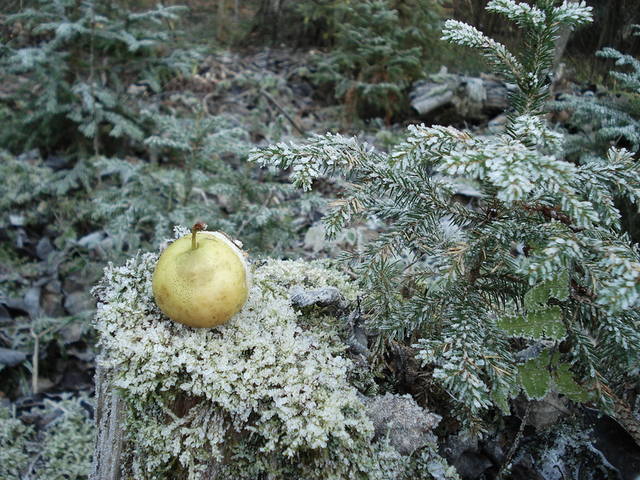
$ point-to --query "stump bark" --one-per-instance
(109, 410)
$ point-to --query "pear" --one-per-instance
(202, 279)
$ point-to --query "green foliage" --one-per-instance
(378, 50)
(69, 69)
(612, 120)
(538, 375)
(537, 260)
(201, 176)
(529, 69)
(535, 376)
(541, 321)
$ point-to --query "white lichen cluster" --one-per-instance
(260, 394)
(14, 458)
(65, 444)
(59, 451)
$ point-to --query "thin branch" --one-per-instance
(514, 446)
(281, 110)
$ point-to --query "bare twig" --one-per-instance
(515, 444)
(282, 111)
(36, 350)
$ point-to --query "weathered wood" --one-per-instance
(477, 98)
(108, 449)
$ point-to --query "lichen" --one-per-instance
(65, 454)
(60, 451)
(13, 436)
(567, 449)
(260, 394)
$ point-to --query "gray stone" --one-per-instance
(547, 411)
(358, 341)
(4, 313)
(92, 240)
(78, 302)
(53, 286)
(11, 358)
(51, 304)
(32, 301)
(464, 452)
(30, 156)
(472, 465)
(16, 304)
(17, 220)
(44, 248)
(321, 297)
(407, 425)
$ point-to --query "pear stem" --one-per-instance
(197, 227)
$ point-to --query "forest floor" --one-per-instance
(47, 345)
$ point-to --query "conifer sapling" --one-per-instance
(530, 289)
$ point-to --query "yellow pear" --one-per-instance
(202, 279)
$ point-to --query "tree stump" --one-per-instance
(274, 393)
(109, 408)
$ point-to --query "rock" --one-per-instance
(55, 162)
(15, 306)
(616, 446)
(315, 239)
(51, 301)
(30, 156)
(358, 341)
(407, 425)
(92, 240)
(498, 123)
(78, 302)
(321, 297)
(11, 358)
(85, 355)
(465, 453)
(4, 314)
(22, 239)
(72, 333)
(82, 280)
(44, 248)
(44, 384)
(51, 304)
(16, 220)
(32, 301)
(472, 465)
(547, 411)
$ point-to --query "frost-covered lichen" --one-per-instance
(61, 450)
(265, 393)
(13, 436)
(66, 452)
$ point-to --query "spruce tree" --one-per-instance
(614, 119)
(378, 50)
(530, 288)
(69, 69)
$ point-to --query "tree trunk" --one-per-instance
(108, 449)
(268, 18)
